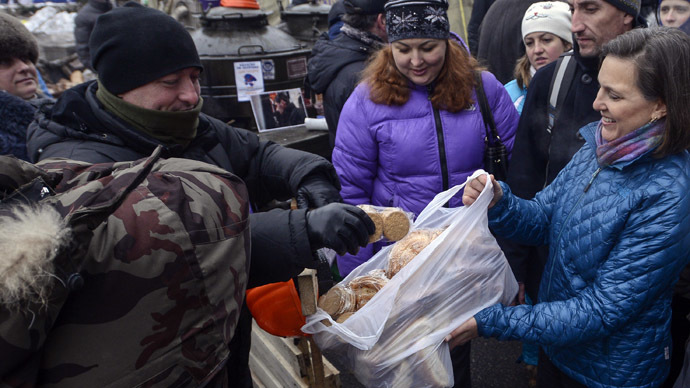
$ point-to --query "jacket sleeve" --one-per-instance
(356, 152)
(505, 115)
(280, 247)
(272, 171)
(650, 253)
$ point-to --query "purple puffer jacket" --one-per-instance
(394, 155)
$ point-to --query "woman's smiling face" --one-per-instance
(420, 59)
(621, 103)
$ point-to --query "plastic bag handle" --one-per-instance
(441, 198)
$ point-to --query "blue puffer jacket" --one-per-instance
(618, 242)
(403, 156)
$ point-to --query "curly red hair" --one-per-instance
(453, 86)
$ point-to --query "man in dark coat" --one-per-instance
(479, 10)
(335, 65)
(83, 25)
(500, 40)
(147, 95)
(287, 113)
(540, 154)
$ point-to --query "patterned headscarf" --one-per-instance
(409, 19)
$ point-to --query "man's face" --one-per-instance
(19, 78)
(595, 22)
(174, 92)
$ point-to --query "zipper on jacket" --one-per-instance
(441, 141)
(589, 184)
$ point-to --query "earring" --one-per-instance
(654, 119)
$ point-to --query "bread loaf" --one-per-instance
(395, 224)
(375, 216)
(406, 249)
(365, 287)
(338, 300)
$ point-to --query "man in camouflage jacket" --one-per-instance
(148, 95)
(150, 297)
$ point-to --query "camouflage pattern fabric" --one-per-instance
(148, 297)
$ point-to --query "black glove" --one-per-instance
(341, 227)
(316, 191)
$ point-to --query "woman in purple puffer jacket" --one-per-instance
(413, 127)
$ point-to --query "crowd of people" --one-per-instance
(593, 216)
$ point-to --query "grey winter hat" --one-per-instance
(631, 7)
(16, 41)
(409, 19)
(364, 7)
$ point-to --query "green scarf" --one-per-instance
(168, 127)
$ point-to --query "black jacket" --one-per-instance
(83, 25)
(500, 37)
(334, 70)
(479, 10)
(77, 127)
(539, 156)
(15, 115)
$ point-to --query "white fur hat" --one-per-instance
(548, 16)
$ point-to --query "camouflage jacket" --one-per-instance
(142, 271)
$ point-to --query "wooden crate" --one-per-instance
(278, 362)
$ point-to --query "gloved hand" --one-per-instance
(316, 191)
(341, 227)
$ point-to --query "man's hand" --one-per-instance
(316, 191)
(341, 227)
(475, 187)
(463, 334)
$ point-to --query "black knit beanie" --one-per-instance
(134, 45)
(16, 41)
(409, 19)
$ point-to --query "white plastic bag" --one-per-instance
(397, 338)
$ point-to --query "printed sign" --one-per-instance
(269, 69)
(249, 79)
(297, 67)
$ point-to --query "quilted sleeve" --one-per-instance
(525, 221)
(650, 254)
(355, 155)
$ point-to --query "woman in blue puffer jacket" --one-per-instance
(617, 220)
(413, 128)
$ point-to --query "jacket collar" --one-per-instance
(589, 131)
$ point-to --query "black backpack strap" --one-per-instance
(485, 109)
(562, 78)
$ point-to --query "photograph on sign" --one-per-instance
(278, 109)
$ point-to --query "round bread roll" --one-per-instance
(365, 287)
(342, 318)
(395, 224)
(338, 300)
(375, 216)
(406, 249)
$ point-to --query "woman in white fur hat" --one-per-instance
(546, 35)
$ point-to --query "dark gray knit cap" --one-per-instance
(631, 7)
(364, 7)
(134, 45)
(16, 41)
(409, 19)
